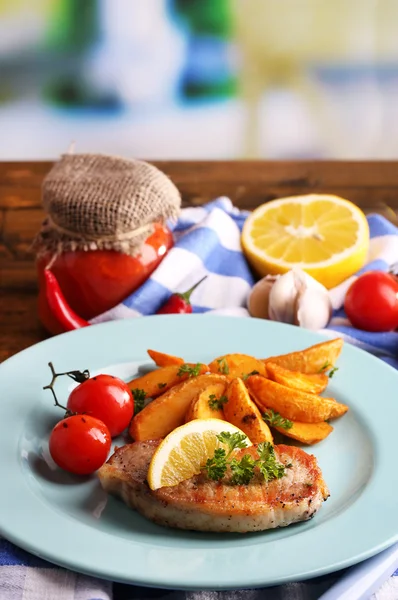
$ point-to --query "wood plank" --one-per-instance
(18, 274)
(246, 182)
(19, 325)
(20, 183)
(19, 230)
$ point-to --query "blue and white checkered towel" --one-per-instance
(207, 243)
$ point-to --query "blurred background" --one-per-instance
(199, 79)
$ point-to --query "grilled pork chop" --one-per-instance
(204, 505)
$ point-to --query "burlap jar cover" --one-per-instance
(99, 202)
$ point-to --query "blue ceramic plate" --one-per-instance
(71, 521)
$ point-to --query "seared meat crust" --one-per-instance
(204, 505)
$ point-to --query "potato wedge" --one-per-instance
(165, 360)
(159, 381)
(237, 365)
(241, 411)
(167, 412)
(307, 433)
(293, 404)
(314, 359)
(189, 415)
(337, 409)
(312, 384)
(200, 407)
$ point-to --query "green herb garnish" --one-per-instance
(191, 370)
(276, 420)
(233, 440)
(217, 403)
(242, 471)
(332, 372)
(328, 367)
(216, 467)
(223, 366)
(325, 367)
(139, 400)
(247, 375)
(267, 464)
(161, 385)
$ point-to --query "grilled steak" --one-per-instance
(204, 505)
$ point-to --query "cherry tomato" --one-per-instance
(80, 444)
(105, 397)
(371, 302)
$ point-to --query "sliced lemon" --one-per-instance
(326, 236)
(183, 453)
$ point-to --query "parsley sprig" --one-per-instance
(191, 370)
(274, 419)
(216, 467)
(242, 471)
(232, 440)
(268, 465)
(139, 400)
(247, 375)
(223, 366)
(328, 367)
(217, 403)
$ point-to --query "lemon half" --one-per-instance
(326, 236)
(183, 453)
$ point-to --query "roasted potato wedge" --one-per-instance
(307, 433)
(159, 381)
(315, 359)
(241, 411)
(164, 360)
(237, 365)
(312, 384)
(189, 413)
(293, 404)
(200, 407)
(167, 412)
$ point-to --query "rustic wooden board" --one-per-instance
(371, 185)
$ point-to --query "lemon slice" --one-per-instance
(185, 451)
(326, 236)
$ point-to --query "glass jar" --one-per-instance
(96, 281)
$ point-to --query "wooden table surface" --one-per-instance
(371, 185)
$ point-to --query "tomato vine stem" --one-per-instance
(78, 376)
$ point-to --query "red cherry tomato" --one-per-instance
(105, 397)
(80, 444)
(371, 302)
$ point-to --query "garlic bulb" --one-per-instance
(258, 299)
(294, 297)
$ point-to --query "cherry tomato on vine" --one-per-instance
(80, 444)
(105, 397)
(371, 302)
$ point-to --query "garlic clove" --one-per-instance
(313, 308)
(299, 299)
(258, 300)
(282, 299)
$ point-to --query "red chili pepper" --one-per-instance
(58, 305)
(179, 303)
